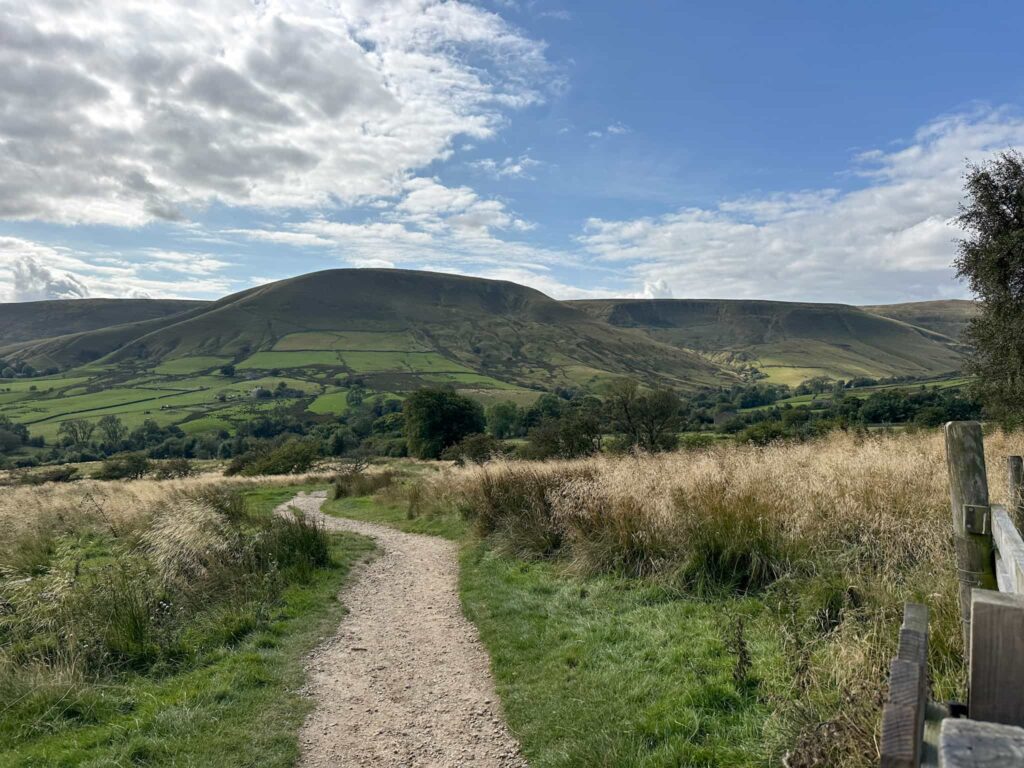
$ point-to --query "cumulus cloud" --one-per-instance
(891, 237)
(34, 282)
(121, 113)
(31, 271)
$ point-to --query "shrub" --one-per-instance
(128, 466)
(62, 474)
(475, 449)
(291, 458)
(360, 483)
(174, 469)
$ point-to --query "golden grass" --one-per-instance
(42, 513)
(834, 534)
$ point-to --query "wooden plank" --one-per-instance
(904, 712)
(1015, 482)
(968, 491)
(996, 687)
(901, 731)
(972, 744)
(1009, 548)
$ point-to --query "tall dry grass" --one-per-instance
(833, 535)
(101, 581)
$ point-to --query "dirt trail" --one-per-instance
(405, 681)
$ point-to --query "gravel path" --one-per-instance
(405, 681)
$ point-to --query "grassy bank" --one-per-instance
(201, 671)
(611, 593)
(602, 671)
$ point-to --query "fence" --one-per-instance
(990, 564)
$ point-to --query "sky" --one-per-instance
(788, 150)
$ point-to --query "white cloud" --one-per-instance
(119, 113)
(31, 271)
(510, 167)
(34, 282)
(615, 129)
(892, 238)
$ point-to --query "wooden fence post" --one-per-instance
(997, 658)
(1015, 477)
(904, 711)
(972, 516)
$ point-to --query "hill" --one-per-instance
(323, 334)
(948, 317)
(790, 342)
(27, 321)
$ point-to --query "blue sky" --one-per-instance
(800, 151)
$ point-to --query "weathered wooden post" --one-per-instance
(1015, 476)
(972, 516)
(904, 712)
(997, 658)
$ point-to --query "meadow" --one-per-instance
(160, 623)
(722, 606)
(725, 606)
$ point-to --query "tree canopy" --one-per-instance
(991, 259)
(436, 419)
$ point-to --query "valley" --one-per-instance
(310, 342)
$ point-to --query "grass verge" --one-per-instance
(380, 510)
(604, 671)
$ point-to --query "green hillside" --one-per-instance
(322, 334)
(26, 321)
(949, 317)
(790, 342)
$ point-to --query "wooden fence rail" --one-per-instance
(990, 568)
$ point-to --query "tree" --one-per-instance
(991, 258)
(503, 418)
(227, 370)
(113, 432)
(647, 420)
(438, 418)
(76, 432)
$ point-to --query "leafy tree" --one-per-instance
(503, 419)
(576, 433)
(112, 430)
(991, 258)
(9, 442)
(438, 418)
(647, 420)
(76, 432)
(227, 370)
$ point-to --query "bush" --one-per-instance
(128, 466)
(359, 483)
(62, 474)
(475, 449)
(513, 503)
(291, 458)
(174, 469)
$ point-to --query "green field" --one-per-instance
(184, 365)
(383, 341)
(288, 360)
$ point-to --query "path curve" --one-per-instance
(405, 680)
